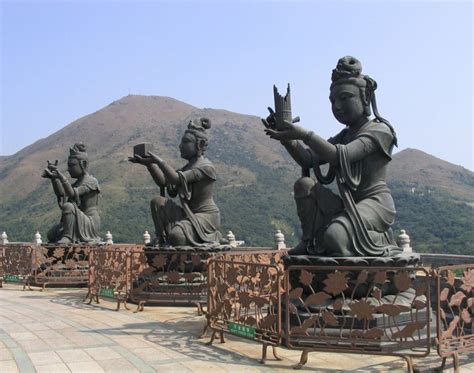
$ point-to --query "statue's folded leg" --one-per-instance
(316, 206)
(54, 233)
(165, 214)
(337, 238)
(68, 221)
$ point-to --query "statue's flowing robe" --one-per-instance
(198, 216)
(364, 205)
(86, 218)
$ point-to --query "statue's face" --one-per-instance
(347, 103)
(74, 168)
(188, 146)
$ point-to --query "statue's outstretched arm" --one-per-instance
(68, 189)
(169, 172)
(58, 188)
(356, 149)
(324, 150)
(299, 153)
(321, 147)
(157, 175)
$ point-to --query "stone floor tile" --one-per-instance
(5, 354)
(132, 342)
(173, 368)
(23, 336)
(53, 368)
(118, 365)
(85, 367)
(44, 357)
(60, 343)
(35, 326)
(13, 327)
(55, 325)
(151, 354)
(34, 345)
(204, 366)
(48, 334)
(102, 353)
(8, 366)
(74, 356)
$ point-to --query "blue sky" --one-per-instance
(61, 60)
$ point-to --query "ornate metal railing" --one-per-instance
(455, 311)
(244, 299)
(160, 277)
(373, 310)
(16, 262)
(110, 270)
(60, 265)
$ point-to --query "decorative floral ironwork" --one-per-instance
(357, 309)
(246, 294)
(109, 272)
(455, 310)
(164, 277)
(16, 262)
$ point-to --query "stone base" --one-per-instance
(190, 249)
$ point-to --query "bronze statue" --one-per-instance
(80, 220)
(196, 222)
(357, 221)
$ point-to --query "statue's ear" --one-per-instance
(201, 144)
(84, 164)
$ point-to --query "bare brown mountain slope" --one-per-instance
(110, 132)
(415, 167)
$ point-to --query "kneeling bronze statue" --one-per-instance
(196, 221)
(80, 220)
(357, 221)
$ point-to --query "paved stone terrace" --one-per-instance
(54, 331)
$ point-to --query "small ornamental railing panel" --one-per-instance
(455, 311)
(110, 273)
(161, 277)
(60, 265)
(374, 310)
(244, 299)
(16, 262)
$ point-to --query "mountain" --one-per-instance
(415, 167)
(255, 177)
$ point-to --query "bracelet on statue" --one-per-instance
(64, 181)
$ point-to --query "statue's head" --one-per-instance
(78, 160)
(195, 140)
(353, 94)
(351, 91)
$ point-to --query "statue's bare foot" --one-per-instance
(64, 240)
(300, 249)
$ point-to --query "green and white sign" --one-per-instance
(107, 293)
(242, 330)
(12, 278)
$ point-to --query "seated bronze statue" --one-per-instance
(357, 221)
(196, 222)
(80, 220)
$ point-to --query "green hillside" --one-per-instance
(255, 179)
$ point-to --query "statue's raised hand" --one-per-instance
(141, 160)
(155, 158)
(270, 121)
(288, 132)
(47, 174)
(52, 166)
